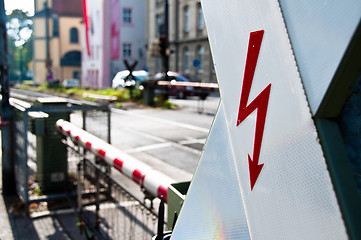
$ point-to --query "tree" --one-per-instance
(20, 43)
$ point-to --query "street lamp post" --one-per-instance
(47, 51)
(165, 44)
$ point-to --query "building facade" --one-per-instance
(188, 41)
(57, 40)
(113, 32)
(130, 16)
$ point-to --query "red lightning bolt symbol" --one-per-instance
(260, 103)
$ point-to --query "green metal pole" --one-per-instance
(8, 172)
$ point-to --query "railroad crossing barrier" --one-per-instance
(159, 87)
(188, 84)
(201, 89)
(149, 179)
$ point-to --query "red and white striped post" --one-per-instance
(153, 181)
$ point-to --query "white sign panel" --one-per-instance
(281, 171)
(320, 32)
(213, 208)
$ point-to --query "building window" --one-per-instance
(55, 26)
(158, 25)
(127, 15)
(127, 50)
(158, 3)
(158, 64)
(186, 19)
(76, 75)
(185, 60)
(74, 35)
(200, 20)
(200, 53)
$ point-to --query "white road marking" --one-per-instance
(150, 147)
(183, 125)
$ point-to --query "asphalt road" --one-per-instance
(175, 137)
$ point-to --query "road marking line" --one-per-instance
(186, 148)
(167, 143)
(163, 141)
(149, 147)
(193, 140)
(183, 125)
(144, 134)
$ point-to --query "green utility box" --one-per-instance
(51, 153)
(175, 198)
(37, 123)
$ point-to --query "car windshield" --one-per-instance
(182, 78)
(171, 76)
(138, 75)
(138, 78)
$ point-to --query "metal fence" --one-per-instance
(108, 210)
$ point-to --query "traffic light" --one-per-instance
(163, 48)
(159, 48)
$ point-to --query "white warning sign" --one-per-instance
(262, 174)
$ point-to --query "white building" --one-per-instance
(114, 31)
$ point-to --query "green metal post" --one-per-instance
(8, 172)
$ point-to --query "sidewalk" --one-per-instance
(15, 224)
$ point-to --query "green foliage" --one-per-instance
(53, 87)
(37, 191)
(161, 103)
(20, 43)
(24, 87)
(19, 27)
(43, 87)
(168, 105)
(137, 94)
(122, 95)
(74, 91)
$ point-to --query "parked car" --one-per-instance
(71, 83)
(180, 92)
(120, 82)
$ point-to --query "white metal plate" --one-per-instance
(320, 32)
(213, 208)
(293, 197)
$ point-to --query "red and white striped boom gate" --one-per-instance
(188, 84)
(153, 181)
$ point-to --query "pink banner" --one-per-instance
(115, 31)
(86, 22)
